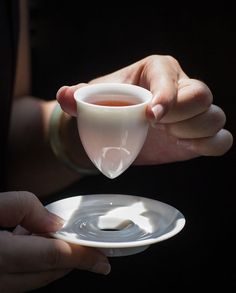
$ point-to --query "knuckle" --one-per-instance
(202, 94)
(25, 201)
(166, 59)
(26, 194)
(219, 144)
(218, 117)
(25, 198)
(172, 60)
(152, 57)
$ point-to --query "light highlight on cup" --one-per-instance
(112, 124)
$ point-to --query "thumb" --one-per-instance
(65, 97)
(24, 208)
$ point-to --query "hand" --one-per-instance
(31, 261)
(185, 123)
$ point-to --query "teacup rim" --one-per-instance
(116, 87)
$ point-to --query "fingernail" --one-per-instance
(55, 221)
(103, 268)
(155, 99)
(158, 111)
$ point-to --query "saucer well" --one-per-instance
(118, 224)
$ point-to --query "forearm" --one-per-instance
(32, 165)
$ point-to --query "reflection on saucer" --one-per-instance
(118, 224)
(129, 214)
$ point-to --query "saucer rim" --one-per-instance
(179, 225)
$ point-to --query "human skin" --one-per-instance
(28, 258)
(185, 122)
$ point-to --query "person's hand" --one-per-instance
(186, 124)
(30, 261)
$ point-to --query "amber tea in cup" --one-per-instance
(112, 124)
(113, 103)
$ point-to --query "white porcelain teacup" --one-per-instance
(112, 124)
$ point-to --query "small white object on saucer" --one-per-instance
(118, 224)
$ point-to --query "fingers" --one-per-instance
(43, 254)
(194, 97)
(180, 105)
(24, 208)
(205, 124)
(216, 145)
(202, 134)
(161, 75)
(65, 97)
(176, 97)
(25, 282)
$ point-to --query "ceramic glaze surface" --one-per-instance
(112, 135)
(118, 224)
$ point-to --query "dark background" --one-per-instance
(73, 43)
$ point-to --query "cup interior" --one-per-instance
(112, 124)
(113, 95)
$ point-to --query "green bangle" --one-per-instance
(57, 146)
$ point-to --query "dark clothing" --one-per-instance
(66, 49)
(8, 49)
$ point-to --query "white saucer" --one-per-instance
(118, 224)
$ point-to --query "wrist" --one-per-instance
(66, 145)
